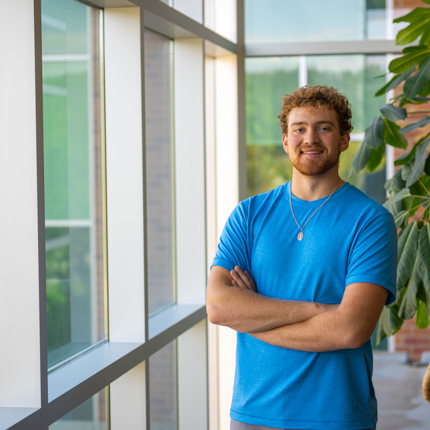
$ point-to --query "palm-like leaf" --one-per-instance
(416, 83)
(420, 161)
(409, 304)
(424, 252)
(392, 135)
(407, 252)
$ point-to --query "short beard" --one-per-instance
(318, 169)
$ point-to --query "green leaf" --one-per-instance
(413, 30)
(396, 80)
(419, 100)
(418, 124)
(392, 135)
(375, 133)
(361, 157)
(409, 304)
(406, 171)
(415, 48)
(424, 252)
(399, 219)
(406, 158)
(403, 63)
(417, 82)
(425, 38)
(422, 319)
(426, 90)
(427, 167)
(376, 157)
(391, 321)
(420, 188)
(413, 16)
(380, 333)
(420, 161)
(393, 202)
(393, 113)
(407, 252)
(396, 182)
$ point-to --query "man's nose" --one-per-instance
(312, 136)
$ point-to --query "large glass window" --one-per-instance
(74, 198)
(274, 21)
(93, 414)
(159, 171)
(163, 388)
(268, 79)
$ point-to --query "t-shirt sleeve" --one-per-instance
(233, 243)
(373, 257)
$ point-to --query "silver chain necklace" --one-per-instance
(301, 234)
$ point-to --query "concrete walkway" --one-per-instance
(398, 390)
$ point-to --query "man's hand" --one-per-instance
(232, 301)
(242, 279)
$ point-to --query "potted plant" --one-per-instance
(409, 188)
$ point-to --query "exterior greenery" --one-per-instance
(409, 199)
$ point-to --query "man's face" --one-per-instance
(313, 142)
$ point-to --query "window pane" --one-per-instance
(159, 171)
(267, 80)
(162, 388)
(73, 178)
(91, 415)
(274, 21)
(354, 76)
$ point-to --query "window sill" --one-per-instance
(19, 418)
(70, 385)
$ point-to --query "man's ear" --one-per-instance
(285, 142)
(344, 142)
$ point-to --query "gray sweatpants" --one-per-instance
(236, 425)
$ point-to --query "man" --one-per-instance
(302, 274)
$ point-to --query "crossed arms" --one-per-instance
(232, 300)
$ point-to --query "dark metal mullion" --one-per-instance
(43, 335)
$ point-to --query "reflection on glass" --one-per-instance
(93, 414)
(268, 79)
(275, 21)
(159, 170)
(73, 178)
(354, 76)
(162, 389)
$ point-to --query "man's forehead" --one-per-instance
(307, 114)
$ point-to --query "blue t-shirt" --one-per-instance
(350, 239)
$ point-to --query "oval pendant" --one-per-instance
(300, 236)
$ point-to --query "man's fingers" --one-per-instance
(243, 277)
(240, 279)
(254, 288)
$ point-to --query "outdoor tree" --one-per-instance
(409, 196)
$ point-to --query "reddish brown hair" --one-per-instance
(317, 96)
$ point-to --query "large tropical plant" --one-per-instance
(409, 188)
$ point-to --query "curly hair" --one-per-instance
(317, 96)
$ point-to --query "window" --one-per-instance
(268, 79)
(74, 198)
(93, 414)
(159, 171)
(277, 21)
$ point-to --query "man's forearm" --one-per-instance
(348, 326)
(320, 333)
(247, 311)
